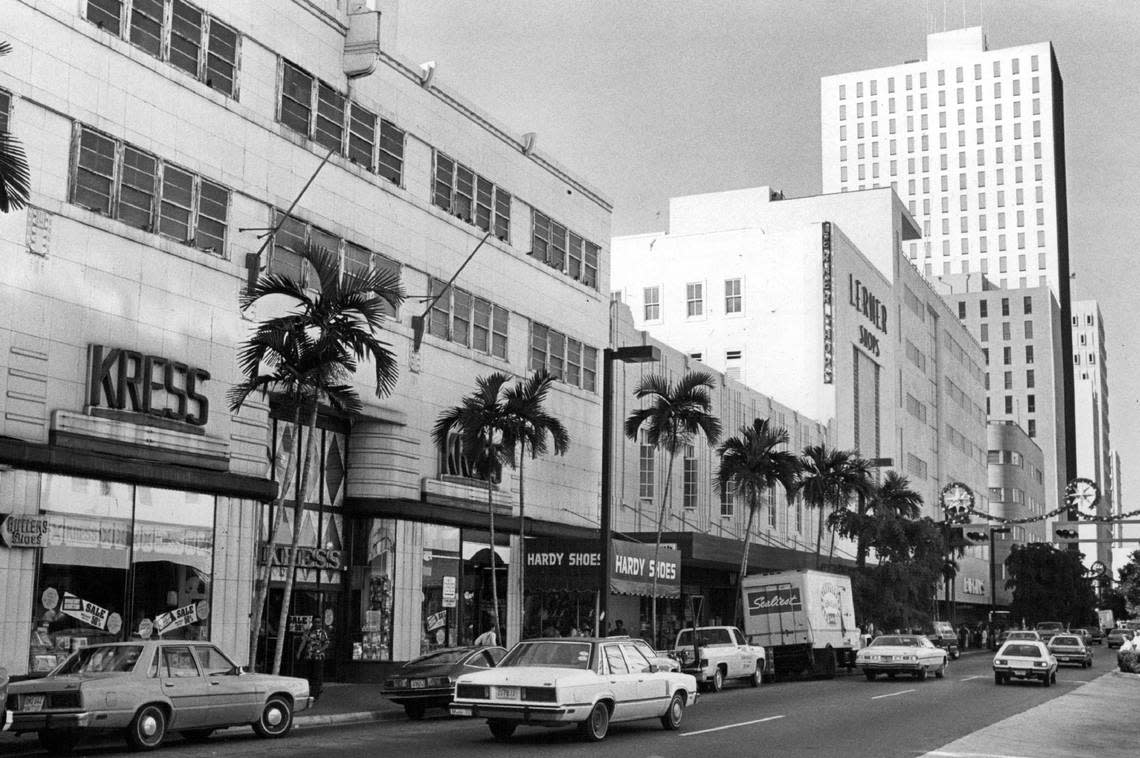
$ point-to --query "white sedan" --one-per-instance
(587, 682)
(894, 654)
(1025, 659)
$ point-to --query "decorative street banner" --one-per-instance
(773, 600)
(88, 613)
(179, 617)
(573, 565)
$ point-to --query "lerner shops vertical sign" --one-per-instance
(866, 302)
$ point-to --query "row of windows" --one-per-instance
(694, 299)
(916, 356)
(916, 407)
(979, 110)
(1007, 495)
(471, 197)
(1007, 381)
(916, 467)
(567, 359)
(176, 32)
(118, 180)
(960, 356)
(1006, 331)
(1004, 304)
(1007, 355)
(959, 77)
(564, 250)
(5, 109)
(1089, 320)
(460, 317)
(980, 133)
(960, 441)
(317, 110)
(1091, 359)
(1007, 457)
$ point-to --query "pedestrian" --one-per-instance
(619, 629)
(487, 638)
(314, 646)
(985, 636)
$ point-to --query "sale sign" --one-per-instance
(180, 617)
(87, 612)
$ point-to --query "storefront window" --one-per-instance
(478, 598)
(440, 587)
(372, 585)
(119, 562)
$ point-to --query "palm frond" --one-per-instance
(15, 177)
(326, 265)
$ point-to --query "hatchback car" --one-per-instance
(1025, 660)
(1116, 637)
(429, 681)
(1071, 648)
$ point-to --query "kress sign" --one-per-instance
(126, 380)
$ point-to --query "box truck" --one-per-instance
(804, 619)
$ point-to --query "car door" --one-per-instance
(652, 688)
(183, 683)
(622, 683)
(230, 698)
(745, 660)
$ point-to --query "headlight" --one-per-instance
(1001, 662)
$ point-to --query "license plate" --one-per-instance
(1020, 673)
(33, 703)
(418, 684)
(507, 693)
(461, 711)
(886, 657)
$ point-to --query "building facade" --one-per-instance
(1017, 491)
(1092, 433)
(813, 302)
(175, 155)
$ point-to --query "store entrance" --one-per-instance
(307, 605)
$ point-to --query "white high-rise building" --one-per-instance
(1091, 435)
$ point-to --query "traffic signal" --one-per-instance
(1065, 534)
(961, 537)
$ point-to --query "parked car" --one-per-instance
(1024, 660)
(942, 635)
(1097, 635)
(1070, 648)
(429, 681)
(1116, 637)
(663, 660)
(584, 681)
(894, 654)
(3, 695)
(147, 688)
(717, 654)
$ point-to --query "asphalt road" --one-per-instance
(846, 718)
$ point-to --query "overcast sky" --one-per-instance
(648, 100)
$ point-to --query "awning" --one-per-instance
(554, 565)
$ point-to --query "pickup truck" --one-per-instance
(1048, 629)
(713, 654)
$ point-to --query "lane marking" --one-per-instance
(945, 754)
(893, 694)
(975, 676)
(730, 726)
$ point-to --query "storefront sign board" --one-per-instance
(307, 557)
(573, 565)
(127, 380)
(24, 531)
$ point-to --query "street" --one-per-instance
(847, 717)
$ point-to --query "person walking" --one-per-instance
(314, 647)
(487, 638)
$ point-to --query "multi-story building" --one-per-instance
(813, 302)
(169, 141)
(1091, 433)
(1017, 491)
(973, 141)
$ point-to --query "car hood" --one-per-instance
(530, 676)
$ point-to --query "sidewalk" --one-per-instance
(350, 703)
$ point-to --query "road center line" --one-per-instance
(892, 694)
(975, 676)
(943, 754)
(730, 726)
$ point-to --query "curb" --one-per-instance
(354, 717)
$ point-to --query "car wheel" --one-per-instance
(672, 718)
(1045, 682)
(940, 672)
(596, 725)
(998, 679)
(147, 729)
(717, 683)
(920, 675)
(1053, 677)
(501, 730)
(197, 735)
(59, 742)
(415, 711)
(869, 674)
(276, 718)
(757, 675)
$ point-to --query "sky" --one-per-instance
(649, 100)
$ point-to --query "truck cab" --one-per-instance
(714, 654)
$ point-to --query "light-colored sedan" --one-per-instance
(145, 689)
(894, 654)
(1071, 648)
(588, 682)
(1025, 660)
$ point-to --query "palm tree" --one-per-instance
(15, 180)
(307, 356)
(750, 465)
(828, 480)
(879, 519)
(529, 426)
(677, 414)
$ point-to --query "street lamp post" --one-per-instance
(627, 354)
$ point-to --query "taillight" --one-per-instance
(540, 694)
(471, 691)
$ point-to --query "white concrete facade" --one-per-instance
(1092, 433)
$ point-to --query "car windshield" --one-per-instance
(704, 637)
(895, 641)
(1075, 641)
(1022, 651)
(441, 658)
(101, 659)
(570, 655)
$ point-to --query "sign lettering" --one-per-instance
(865, 302)
(24, 531)
(83, 610)
(869, 340)
(307, 557)
(128, 380)
(774, 600)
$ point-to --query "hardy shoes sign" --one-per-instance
(126, 380)
(574, 565)
(774, 600)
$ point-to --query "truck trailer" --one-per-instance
(804, 619)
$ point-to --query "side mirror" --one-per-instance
(654, 668)
(238, 670)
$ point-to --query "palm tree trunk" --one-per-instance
(298, 514)
(861, 544)
(522, 545)
(736, 613)
(494, 577)
(819, 535)
(657, 545)
(265, 570)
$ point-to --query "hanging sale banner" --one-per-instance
(88, 613)
(179, 617)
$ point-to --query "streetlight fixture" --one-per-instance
(627, 354)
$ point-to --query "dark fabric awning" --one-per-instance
(574, 566)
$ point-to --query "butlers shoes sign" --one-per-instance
(574, 565)
(126, 380)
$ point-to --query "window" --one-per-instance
(983, 308)
(562, 249)
(1007, 380)
(646, 460)
(694, 299)
(221, 58)
(1030, 379)
(296, 98)
(726, 502)
(567, 359)
(1005, 331)
(733, 299)
(1028, 329)
(106, 14)
(1031, 403)
(1009, 403)
(690, 478)
(329, 126)
(1031, 427)
(1006, 356)
(961, 309)
(462, 318)
(651, 302)
(118, 180)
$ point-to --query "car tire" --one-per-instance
(147, 729)
(501, 730)
(920, 675)
(1045, 681)
(757, 676)
(197, 735)
(276, 718)
(717, 683)
(940, 672)
(998, 679)
(1053, 677)
(672, 718)
(597, 724)
(414, 711)
(871, 675)
(58, 742)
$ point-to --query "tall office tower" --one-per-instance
(1090, 390)
(973, 141)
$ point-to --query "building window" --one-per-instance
(694, 299)
(1029, 353)
(690, 478)
(1028, 329)
(1030, 379)
(733, 363)
(1032, 427)
(1027, 305)
(463, 318)
(296, 98)
(646, 460)
(726, 502)
(567, 359)
(118, 180)
(733, 297)
(5, 109)
(1009, 404)
(1031, 403)
(564, 250)
(983, 308)
(1006, 356)
(651, 302)
(961, 309)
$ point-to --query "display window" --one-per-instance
(119, 562)
(372, 585)
(439, 584)
(477, 604)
